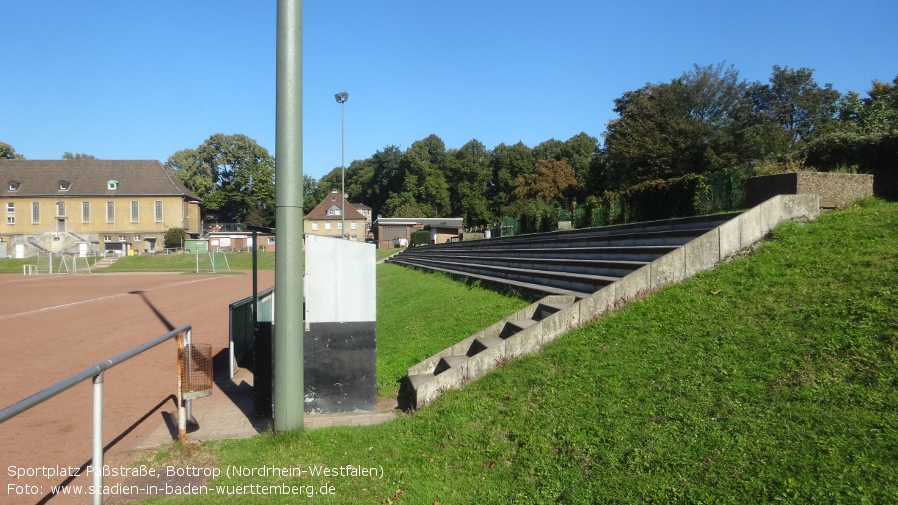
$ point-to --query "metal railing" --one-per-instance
(96, 372)
(243, 314)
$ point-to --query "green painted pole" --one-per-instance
(289, 259)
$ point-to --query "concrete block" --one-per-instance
(750, 228)
(668, 269)
(771, 213)
(485, 360)
(524, 342)
(560, 322)
(834, 190)
(593, 306)
(431, 390)
(729, 237)
(801, 206)
(702, 253)
(514, 327)
(631, 286)
(450, 362)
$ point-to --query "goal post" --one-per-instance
(60, 263)
(211, 262)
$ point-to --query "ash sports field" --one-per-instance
(54, 326)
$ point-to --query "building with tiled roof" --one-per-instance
(102, 205)
(327, 219)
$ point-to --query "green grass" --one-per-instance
(419, 314)
(188, 262)
(773, 378)
(384, 253)
(173, 262)
(14, 265)
(161, 263)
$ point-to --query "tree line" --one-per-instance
(704, 122)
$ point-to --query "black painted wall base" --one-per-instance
(340, 368)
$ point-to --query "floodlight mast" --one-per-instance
(341, 98)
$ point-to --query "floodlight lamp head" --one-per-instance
(342, 97)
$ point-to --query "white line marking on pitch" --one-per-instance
(72, 304)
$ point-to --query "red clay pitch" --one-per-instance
(54, 326)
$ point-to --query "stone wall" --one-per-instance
(835, 190)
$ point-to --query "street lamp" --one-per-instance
(341, 99)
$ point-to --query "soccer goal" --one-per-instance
(61, 263)
(212, 262)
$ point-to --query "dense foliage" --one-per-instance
(708, 122)
(233, 175)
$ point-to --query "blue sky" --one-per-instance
(142, 80)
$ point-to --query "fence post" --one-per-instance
(97, 459)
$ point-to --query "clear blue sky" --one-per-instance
(141, 80)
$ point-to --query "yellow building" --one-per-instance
(328, 219)
(92, 206)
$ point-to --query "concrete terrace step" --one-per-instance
(618, 268)
(448, 362)
(612, 254)
(528, 287)
(574, 281)
(571, 262)
(512, 327)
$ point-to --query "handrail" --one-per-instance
(96, 372)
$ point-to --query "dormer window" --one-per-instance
(64, 185)
(14, 185)
(112, 185)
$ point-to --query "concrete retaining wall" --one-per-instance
(835, 190)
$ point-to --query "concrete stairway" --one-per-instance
(524, 332)
(584, 274)
(570, 263)
(105, 262)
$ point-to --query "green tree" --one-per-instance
(579, 151)
(551, 149)
(655, 136)
(173, 238)
(792, 110)
(696, 123)
(388, 177)
(190, 169)
(879, 112)
(507, 164)
(423, 165)
(8, 152)
(469, 181)
(233, 175)
(310, 198)
(79, 156)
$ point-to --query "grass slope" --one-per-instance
(420, 314)
(773, 378)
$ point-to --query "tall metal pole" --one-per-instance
(343, 170)
(290, 260)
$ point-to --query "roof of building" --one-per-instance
(53, 178)
(334, 199)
